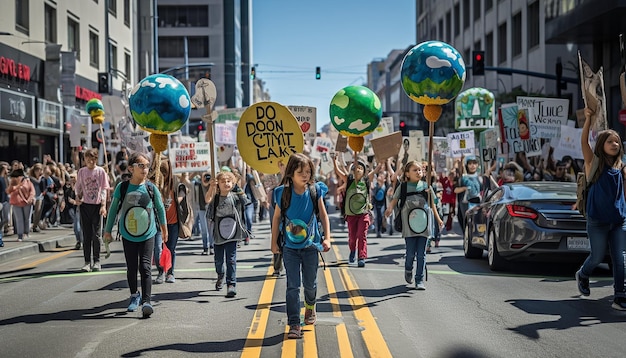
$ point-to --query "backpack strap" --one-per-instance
(403, 190)
(123, 189)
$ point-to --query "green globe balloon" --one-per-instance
(355, 111)
(433, 73)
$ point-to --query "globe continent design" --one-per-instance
(433, 73)
(160, 104)
(355, 111)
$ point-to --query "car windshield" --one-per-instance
(543, 191)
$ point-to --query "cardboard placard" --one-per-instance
(387, 146)
(342, 144)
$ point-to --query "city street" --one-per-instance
(50, 309)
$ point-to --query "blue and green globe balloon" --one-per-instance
(160, 104)
(433, 73)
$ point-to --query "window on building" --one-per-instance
(533, 24)
(127, 13)
(50, 24)
(502, 42)
(21, 16)
(457, 19)
(183, 16)
(440, 28)
(477, 11)
(127, 65)
(94, 53)
(516, 34)
(478, 46)
(488, 5)
(489, 49)
(198, 46)
(114, 59)
(113, 7)
(448, 27)
(466, 14)
(73, 36)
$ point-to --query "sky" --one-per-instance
(292, 37)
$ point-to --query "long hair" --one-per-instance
(605, 159)
(407, 167)
(166, 185)
(296, 161)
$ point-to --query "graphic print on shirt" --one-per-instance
(91, 191)
(137, 217)
(356, 198)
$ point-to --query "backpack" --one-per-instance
(284, 205)
(240, 216)
(583, 184)
(397, 221)
(379, 194)
(345, 199)
(124, 188)
(185, 217)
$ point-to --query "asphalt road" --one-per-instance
(49, 309)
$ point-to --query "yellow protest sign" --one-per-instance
(267, 134)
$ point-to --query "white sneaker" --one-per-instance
(86, 268)
(96, 267)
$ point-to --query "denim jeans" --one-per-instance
(227, 252)
(296, 261)
(416, 249)
(200, 219)
(249, 213)
(379, 214)
(600, 235)
(172, 240)
(158, 248)
(22, 215)
(75, 215)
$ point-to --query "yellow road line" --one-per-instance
(309, 344)
(345, 351)
(372, 336)
(44, 260)
(254, 341)
(289, 345)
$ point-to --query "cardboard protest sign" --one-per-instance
(509, 118)
(489, 145)
(384, 128)
(307, 120)
(341, 144)
(410, 150)
(387, 146)
(190, 157)
(547, 115)
(461, 143)
(267, 134)
(594, 96)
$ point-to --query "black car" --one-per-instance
(527, 221)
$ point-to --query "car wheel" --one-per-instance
(496, 262)
(470, 251)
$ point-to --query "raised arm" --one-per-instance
(584, 141)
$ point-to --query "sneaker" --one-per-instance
(96, 267)
(159, 279)
(1, 243)
(408, 276)
(295, 331)
(170, 278)
(135, 300)
(420, 286)
(361, 263)
(619, 303)
(147, 310)
(247, 241)
(86, 268)
(211, 252)
(205, 251)
(310, 315)
(231, 291)
(583, 284)
(220, 283)
(378, 235)
(352, 257)
(276, 273)
(78, 246)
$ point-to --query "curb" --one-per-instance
(32, 247)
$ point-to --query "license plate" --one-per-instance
(578, 243)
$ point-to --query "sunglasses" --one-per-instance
(141, 165)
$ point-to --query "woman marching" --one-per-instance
(295, 217)
(606, 208)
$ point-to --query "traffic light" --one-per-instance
(104, 82)
(404, 129)
(318, 73)
(478, 63)
(253, 73)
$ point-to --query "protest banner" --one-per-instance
(461, 143)
(307, 120)
(190, 157)
(387, 146)
(510, 132)
(568, 143)
(489, 145)
(547, 115)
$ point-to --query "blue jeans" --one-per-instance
(200, 219)
(379, 213)
(158, 248)
(75, 215)
(172, 240)
(296, 261)
(228, 252)
(600, 235)
(416, 249)
(249, 213)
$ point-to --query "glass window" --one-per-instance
(198, 46)
(127, 13)
(448, 27)
(114, 59)
(50, 24)
(457, 20)
(21, 16)
(94, 54)
(113, 7)
(516, 34)
(488, 5)
(502, 42)
(183, 16)
(466, 14)
(73, 36)
(127, 66)
(489, 49)
(476, 10)
(533, 24)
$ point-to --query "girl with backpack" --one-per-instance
(298, 199)
(417, 201)
(137, 226)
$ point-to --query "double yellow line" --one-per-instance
(372, 336)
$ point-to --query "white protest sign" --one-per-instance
(461, 143)
(190, 157)
(568, 143)
(307, 119)
(384, 128)
(225, 133)
(510, 130)
(547, 115)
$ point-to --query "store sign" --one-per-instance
(9, 67)
(17, 108)
(85, 94)
(50, 115)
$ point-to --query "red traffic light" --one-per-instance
(479, 57)
(402, 124)
(200, 127)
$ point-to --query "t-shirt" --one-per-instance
(92, 185)
(228, 218)
(417, 218)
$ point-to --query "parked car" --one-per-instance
(527, 221)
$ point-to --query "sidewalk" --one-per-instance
(43, 241)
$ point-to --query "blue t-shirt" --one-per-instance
(605, 201)
(136, 220)
(302, 227)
